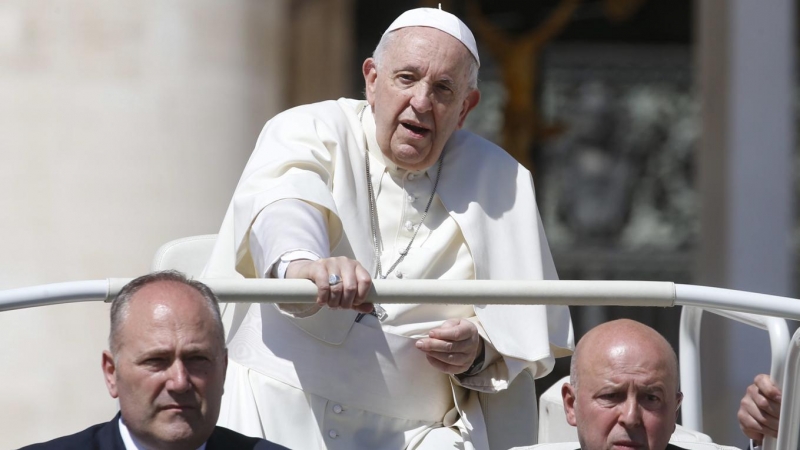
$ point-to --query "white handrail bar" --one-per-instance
(483, 292)
(788, 432)
(691, 317)
(53, 294)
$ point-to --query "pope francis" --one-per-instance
(341, 192)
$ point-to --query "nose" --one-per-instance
(178, 380)
(631, 414)
(421, 98)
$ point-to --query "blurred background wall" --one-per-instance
(123, 124)
(661, 135)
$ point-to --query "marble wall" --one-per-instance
(123, 124)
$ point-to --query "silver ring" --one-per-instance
(334, 279)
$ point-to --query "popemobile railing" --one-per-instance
(743, 306)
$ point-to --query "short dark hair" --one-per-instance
(121, 303)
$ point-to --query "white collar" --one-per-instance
(131, 443)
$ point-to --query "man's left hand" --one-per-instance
(453, 346)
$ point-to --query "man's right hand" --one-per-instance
(760, 409)
(351, 293)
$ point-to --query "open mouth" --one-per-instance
(415, 129)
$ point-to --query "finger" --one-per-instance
(442, 346)
(754, 420)
(319, 275)
(335, 299)
(349, 285)
(364, 283)
(455, 330)
(758, 420)
(447, 352)
(756, 400)
(767, 387)
(749, 425)
(446, 367)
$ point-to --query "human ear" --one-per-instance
(470, 102)
(568, 396)
(370, 71)
(110, 374)
(678, 402)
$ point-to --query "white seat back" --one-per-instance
(188, 255)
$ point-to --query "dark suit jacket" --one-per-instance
(105, 436)
(669, 447)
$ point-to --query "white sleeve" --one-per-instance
(289, 228)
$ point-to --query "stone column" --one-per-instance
(123, 124)
(745, 56)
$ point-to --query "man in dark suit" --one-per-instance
(623, 389)
(166, 365)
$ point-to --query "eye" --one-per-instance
(156, 362)
(652, 398)
(405, 78)
(197, 361)
(611, 397)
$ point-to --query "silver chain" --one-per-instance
(373, 215)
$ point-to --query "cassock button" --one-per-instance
(411, 176)
(409, 226)
(337, 409)
(333, 434)
(399, 275)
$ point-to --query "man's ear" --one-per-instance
(469, 104)
(568, 396)
(370, 72)
(110, 373)
(679, 401)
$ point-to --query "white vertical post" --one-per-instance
(745, 56)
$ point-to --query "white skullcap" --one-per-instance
(441, 20)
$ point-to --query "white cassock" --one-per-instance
(319, 379)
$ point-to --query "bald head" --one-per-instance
(618, 336)
(623, 388)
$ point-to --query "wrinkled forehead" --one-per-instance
(639, 362)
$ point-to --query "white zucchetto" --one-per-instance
(441, 20)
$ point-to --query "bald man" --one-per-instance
(166, 365)
(623, 391)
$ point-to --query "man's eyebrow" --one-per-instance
(407, 68)
(654, 388)
(153, 352)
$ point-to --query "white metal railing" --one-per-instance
(788, 430)
(691, 386)
(619, 293)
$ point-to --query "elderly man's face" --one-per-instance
(626, 398)
(420, 94)
(170, 366)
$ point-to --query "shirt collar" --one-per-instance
(131, 443)
(370, 134)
